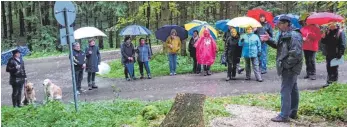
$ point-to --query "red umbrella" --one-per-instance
(323, 18)
(255, 13)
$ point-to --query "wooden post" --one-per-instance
(186, 111)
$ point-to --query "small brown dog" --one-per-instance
(52, 91)
(29, 94)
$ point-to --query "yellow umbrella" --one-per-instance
(200, 26)
(244, 22)
(194, 23)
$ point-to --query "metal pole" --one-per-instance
(71, 58)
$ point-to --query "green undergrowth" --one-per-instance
(329, 103)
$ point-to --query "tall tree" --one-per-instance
(3, 17)
(21, 20)
(10, 21)
(110, 24)
(165, 13)
(221, 9)
(46, 13)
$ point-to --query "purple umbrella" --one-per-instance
(164, 32)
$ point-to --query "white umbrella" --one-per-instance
(244, 22)
(86, 32)
(104, 68)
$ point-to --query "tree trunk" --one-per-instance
(54, 21)
(4, 21)
(148, 25)
(165, 13)
(41, 18)
(221, 10)
(10, 22)
(186, 111)
(47, 22)
(29, 25)
(118, 41)
(233, 9)
(157, 24)
(21, 22)
(110, 38)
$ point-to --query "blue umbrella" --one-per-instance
(24, 50)
(165, 31)
(135, 30)
(294, 20)
(222, 25)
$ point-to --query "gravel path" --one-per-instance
(58, 70)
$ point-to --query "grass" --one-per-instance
(329, 103)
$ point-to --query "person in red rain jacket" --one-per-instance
(206, 49)
(311, 36)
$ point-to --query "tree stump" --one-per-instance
(186, 111)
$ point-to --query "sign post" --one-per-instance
(65, 14)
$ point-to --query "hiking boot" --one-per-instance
(141, 77)
(248, 78)
(94, 86)
(228, 79)
(240, 70)
(205, 73)
(313, 77)
(149, 77)
(90, 86)
(263, 72)
(208, 72)
(128, 79)
(233, 78)
(293, 116)
(279, 119)
(260, 80)
(326, 85)
(175, 73)
(171, 74)
(307, 76)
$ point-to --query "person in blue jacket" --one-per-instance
(266, 28)
(144, 55)
(251, 50)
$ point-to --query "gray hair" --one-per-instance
(75, 44)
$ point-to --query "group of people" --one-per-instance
(128, 52)
(88, 61)
(292, 46)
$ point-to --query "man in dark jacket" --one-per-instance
(266, 27)
(192, 52)
(128, 58)
(79, 60)
(289, 62)
(233, 53)
(15, 67)
(93, 60)
(335, 44)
